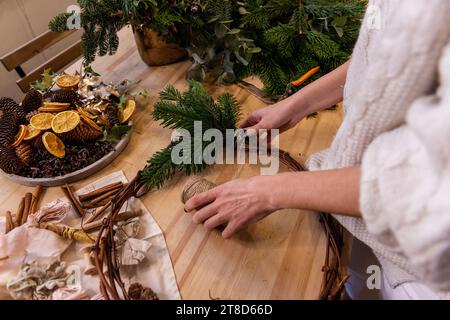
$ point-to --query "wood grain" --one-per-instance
(55, 64)
(33, 48)
(278, 258)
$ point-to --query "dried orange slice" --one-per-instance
(19, 136)
(31, 133)
(68, 81)
(54, 145)
(54, 107)
(42, 121)
(127, 112)
(85, 113)
(65, 121)
(91, 123)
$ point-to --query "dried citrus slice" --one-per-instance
(85, 113)
(91, 123)
(42, 121)
(68, 81)
(127, 112)
(54, 107)
(54, 145)
(65, 121)
(31, 133)
(19, 136)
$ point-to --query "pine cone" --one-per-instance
(9, 162)
(111, 114)
(9, 106)
(81, 133)
(8, 128)
(32, 100)
(31, 115)
(65, 96)
(24, 152)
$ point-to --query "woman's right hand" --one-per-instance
(283, 116)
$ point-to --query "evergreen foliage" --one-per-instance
(178, 110)
(277, 40)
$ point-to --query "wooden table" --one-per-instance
(278, 258)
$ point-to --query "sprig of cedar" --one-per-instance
(179, 110)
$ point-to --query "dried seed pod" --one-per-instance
(64, 96)
(32, 100)
(24, 152)
(9, 162)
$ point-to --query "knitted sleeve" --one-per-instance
(405, 185)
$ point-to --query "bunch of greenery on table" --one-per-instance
(276, 40)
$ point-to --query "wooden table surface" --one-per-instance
(278, 258)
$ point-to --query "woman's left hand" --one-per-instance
(235, 204)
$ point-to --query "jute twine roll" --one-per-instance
(194, 187)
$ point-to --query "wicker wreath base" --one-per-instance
(104, 250)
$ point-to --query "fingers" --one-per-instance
(200, 200)
(215, 221)
(251, 120)
(205, 213)
(231, 229)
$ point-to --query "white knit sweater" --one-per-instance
(397, 126)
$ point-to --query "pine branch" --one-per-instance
(179, 111)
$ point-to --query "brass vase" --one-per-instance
(156, 49)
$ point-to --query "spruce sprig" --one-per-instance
(178, 110)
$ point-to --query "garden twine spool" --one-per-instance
(194, 187)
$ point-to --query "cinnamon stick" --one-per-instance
(96, 225)
(9, 225)
(19, 213)
(100, 191)
(27, 207)
(36, 198)
(102, 197)
(73, 200)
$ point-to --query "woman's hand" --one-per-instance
(235, 204)
(283, 115)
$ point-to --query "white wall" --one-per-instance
(20, 22)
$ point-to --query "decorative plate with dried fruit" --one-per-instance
(70, 127)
